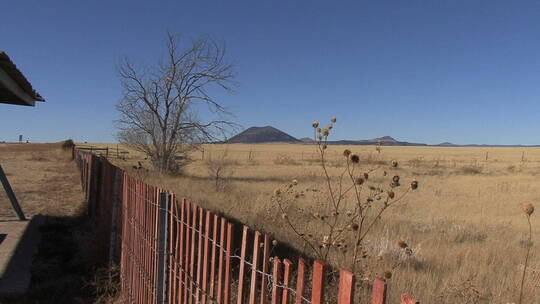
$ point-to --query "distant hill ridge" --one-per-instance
(262, 135)
(269, 134)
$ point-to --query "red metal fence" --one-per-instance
(174, 251)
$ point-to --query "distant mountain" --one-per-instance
(383, 141)
(266, 134)
(447, 144)
(307, 140)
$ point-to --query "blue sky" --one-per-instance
(422, 71)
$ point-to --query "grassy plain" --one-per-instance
(464, 223)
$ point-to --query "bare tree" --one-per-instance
(160, 104)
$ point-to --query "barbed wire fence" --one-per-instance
(171, 250)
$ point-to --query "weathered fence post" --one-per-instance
(162, 249)
(317, 287)
(114, 217)
(346, 287)
(378, 295)
(11, 195)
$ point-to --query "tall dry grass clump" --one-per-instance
(220, 169)
(348, 207)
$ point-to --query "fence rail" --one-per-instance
(172, 250)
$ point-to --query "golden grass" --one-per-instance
(44, 179)
(464, 222)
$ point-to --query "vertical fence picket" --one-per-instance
(205, 259)
(378, 295)
(242, 270)
(221, 261)
(161, 249)
(192, 254)
(172, 252)
(265, 257)
(199, 255)
(276, 274)
(317, 287)
(300, 281)
(254, 265)
(181, 243)
(227, 279)
(187, 279)
(346, 287)
(286, 273)
(213, 258)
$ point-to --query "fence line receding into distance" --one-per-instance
(171, 250)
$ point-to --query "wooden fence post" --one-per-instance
(227, 280)
(378, 295)
(117, 184)
(300, 281)
(242, 269)
(317, 288)
(254, 269)
(346, 287)
(286, 274)
(265, 257)
(162, 248)
(276, 276)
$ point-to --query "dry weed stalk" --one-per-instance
(351, 204)
(528, 209)
(220, 169)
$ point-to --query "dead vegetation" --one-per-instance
(460, 223)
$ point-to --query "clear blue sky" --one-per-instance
(422, 71)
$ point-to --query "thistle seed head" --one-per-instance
(346, 152)
(414, 185)
(387, 274)
(359, 181)
(355, 159)
(354, 226)
(333, 119)
(528, 208)
(325, 132)
(366, 176)
(391, 194)
(274, 242)
(294, 182)
(330, 126)
(284, 215)
(402, 244)
(318, 130)
(315, 124)
(394, 163)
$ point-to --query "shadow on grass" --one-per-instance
(61, 270)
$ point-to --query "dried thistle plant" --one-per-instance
(350, 203)
(528, 209)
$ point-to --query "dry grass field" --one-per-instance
(47, 182)
(43, 178)
(464, 224)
